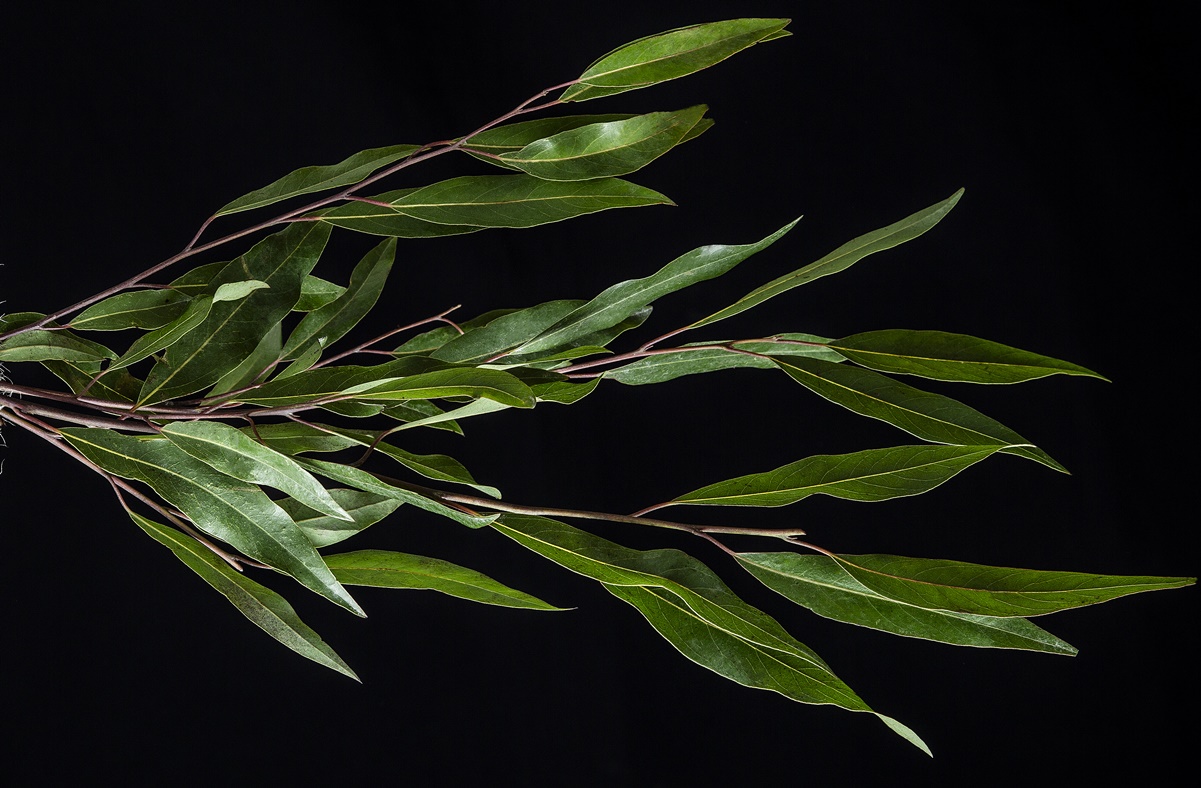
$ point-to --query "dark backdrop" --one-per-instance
(1067, 126)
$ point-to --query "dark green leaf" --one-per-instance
(432, 466)
(139, 309)
(475, 201)
(268, 610)
(326, 325)
(931, 417)
(820, 584)
(232, 511)
(605, 150)
(624, 299)
(991, 591)
(255, 367)
(235, 454)
(327, 382)
(307, 180)
(384, 569)
(669, 55)
(955, 357)
(663, 366)
(872, 475)
(233, 329)
(841, 258)
(315, 293)
(118, 386)
(416, 409)
(476, 408)
(291, 437)
(199, 280)
(322, 530)
(493, 384)
(504, 333)
(57, 345)
(515, 136)
(165, 336)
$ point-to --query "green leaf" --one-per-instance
(255, 367)
(232, 511)
(624, 299)
(233, 329)
(513, 137)
(669, 55)
(315, 293)
(432, 466)
(418, 409)
(164, 337)
(955, 357)
(931, 417)
(605, 150)
(361, 480)
(81, 376)
(291, 437)
(841, 258)
(235, 454)
(504, 333)
(476, 201)
(476, 408)
(199, 280)
(236, 291)
(365, 509)
(690, 606)
(139, 309)
(307, 180)
(327, 324)
(384, 569)
(664, 366)
(937, 584)
(314, 385)
(493, 384)
(266, 609)
(872, 475)
(57, 345)
(820, 584)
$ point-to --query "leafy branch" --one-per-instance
(235, 432)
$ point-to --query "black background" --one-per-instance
(1067, 126)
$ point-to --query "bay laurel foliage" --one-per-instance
(239, 427)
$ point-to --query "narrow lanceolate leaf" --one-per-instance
(989, 590)
(361, 480)
(235, 512)
(233, 329)
(165, 336)
(872, 475)
(955, 357)
(327, 324)
(931, 417)
(605, 150)
(266, 609)
(477, 408)
(477, 201)
(307, 180)
(669, 55)
(315, 293)
(512, 137)
(820, 584)
(419, 409)
(198, 281)
(81, 376)
(290, 438)
(325, 382)
(841, 258)
(690, 606)
(139, 309)
(364, 508)
(235, 454)
(255, 367)
(663, 367)
(384, 569)
(504, 333)
(493, 384)
(625, 298)
(58, 345)
(438, 467)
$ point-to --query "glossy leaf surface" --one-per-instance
(841, 258)
(384, 569)
(820, 584)
(666, 366)
(316, 292)
(164, 337)
(493, 384)
(266, 609)
(59, 345)
(955, 357)
(365, 509)
(504, 333)
(669, 55)
(138, 309)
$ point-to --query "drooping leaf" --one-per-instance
(235, 454)
(315, 293)
(692, 608)
(665, 366)
(362, 480)
(475, 201)
(364, 508)
(872, 475)
(841, 258)
(669, 55)
(238, 514)
(931, 417)
(233, 329)
(163, 337)
(820, 584)
(624, 299)
(605, 150)
(955, 357)
(989, 590)
(327, 324)
(307, 180)
(504, 333)
(266, 609)
(137, 309)
(57, 345)
(384, 569)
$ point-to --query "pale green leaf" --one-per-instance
(236, 291)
